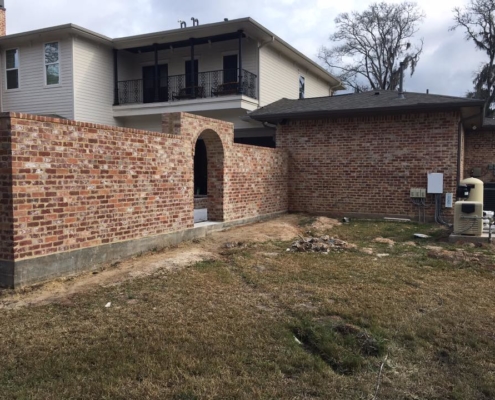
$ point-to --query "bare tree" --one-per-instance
(480, 89)
(478, 21)
(370, 46)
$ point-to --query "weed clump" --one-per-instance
(343, 346)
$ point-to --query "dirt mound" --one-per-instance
(382, 240)
(283, 228)
(324, 223)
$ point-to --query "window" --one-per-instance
(12, 68)
(52, 63)
(301, 86)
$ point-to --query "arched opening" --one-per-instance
(208, 177)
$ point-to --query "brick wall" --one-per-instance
(479, 153)
(6, 198)
(3, 21)
(258, 179)
(255, 178)
(367, 165)
(78, 185)
(200, 202)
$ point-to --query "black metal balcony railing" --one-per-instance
(181, 87)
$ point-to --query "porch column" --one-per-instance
(240, 89)
(156, 77)
(193, 80)
(115, 78)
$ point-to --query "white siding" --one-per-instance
(93, 82)
(33, 96)
(279, 77)
(315, 87)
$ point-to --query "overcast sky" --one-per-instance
(446, 66)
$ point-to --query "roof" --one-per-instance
(249, 26)
(382, 101)
(58, 29)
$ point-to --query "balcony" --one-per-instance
(209, 84)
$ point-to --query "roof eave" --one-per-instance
(272, 118)
(66, 27)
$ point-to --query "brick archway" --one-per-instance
(215, 174)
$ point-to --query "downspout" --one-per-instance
(459, 140)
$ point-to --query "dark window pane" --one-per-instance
(51, 52)
(301, 87)
(12, 58)
(52, 74)
(13, 79)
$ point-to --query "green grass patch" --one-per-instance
(343, 346)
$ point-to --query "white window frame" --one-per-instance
(12, 69)
(58, 62)
(299, 87)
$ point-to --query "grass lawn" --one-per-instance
(263, 323)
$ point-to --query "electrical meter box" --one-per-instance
(435, 183)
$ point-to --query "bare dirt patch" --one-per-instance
(170, 259)
(324, 223)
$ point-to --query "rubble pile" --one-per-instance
(323, 244)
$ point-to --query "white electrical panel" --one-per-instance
(435, 183)
(448, 200)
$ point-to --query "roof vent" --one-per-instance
(195, 21)
(182, 23)
(225, 20)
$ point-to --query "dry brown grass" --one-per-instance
(225, 329)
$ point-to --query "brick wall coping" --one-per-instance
(88, 125)
(202, 118)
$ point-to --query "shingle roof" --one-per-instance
(489, 123)
(356, 103)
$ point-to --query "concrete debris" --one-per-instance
(323, 244)
(108, 305)
(381, 255)
(367, 250)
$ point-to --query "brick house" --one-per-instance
(360, 154)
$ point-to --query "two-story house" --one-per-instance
(221, 70)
